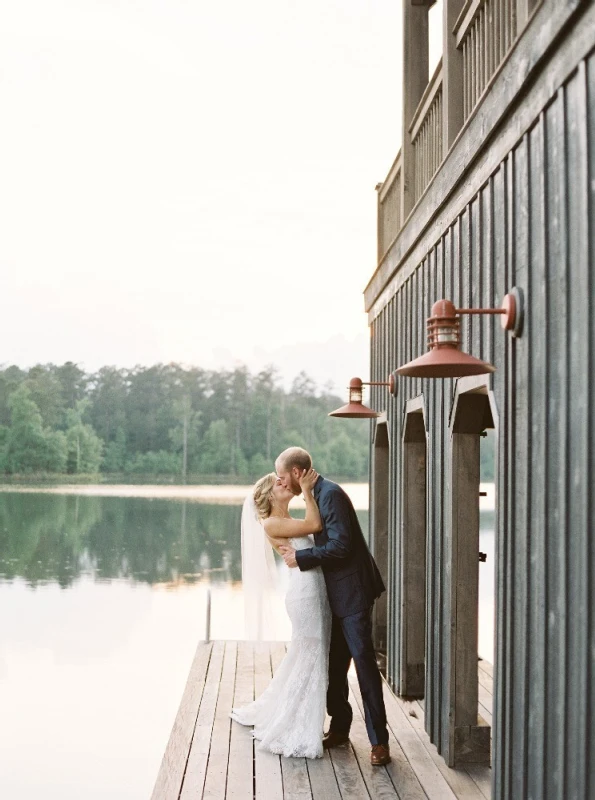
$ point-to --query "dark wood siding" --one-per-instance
(531, 225)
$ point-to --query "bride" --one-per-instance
(288, 717)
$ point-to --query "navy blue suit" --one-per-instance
(353, 582)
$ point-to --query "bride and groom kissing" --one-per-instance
(333, 584)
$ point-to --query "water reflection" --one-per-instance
(46, 538)
(486, 586)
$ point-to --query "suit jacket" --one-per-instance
(352, 578)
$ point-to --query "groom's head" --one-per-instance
(289, 466)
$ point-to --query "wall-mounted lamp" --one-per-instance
(355, 409)
(445, 359)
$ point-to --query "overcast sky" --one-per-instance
(193, 181)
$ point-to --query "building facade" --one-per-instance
(493, 188)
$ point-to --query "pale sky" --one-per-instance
(194, 182)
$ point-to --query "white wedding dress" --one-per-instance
(288, 717)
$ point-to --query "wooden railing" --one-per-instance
(389, 208)
(484, 31)
(426, 134)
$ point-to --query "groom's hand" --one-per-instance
(288, 554)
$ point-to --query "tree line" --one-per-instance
(168, 420)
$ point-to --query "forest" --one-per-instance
(168, 422)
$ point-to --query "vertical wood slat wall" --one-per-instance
(531, 225)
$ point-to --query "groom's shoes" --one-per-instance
(332, 739)
(380, 755)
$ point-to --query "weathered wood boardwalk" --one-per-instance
(209, 756)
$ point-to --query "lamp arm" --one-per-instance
(481, 311)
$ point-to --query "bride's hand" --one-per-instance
(307, 480)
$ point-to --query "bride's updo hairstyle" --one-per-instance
(262, 494)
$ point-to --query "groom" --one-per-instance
(353, 582)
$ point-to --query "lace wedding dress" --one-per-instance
(288, 717)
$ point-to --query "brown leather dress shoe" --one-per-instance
(332, 739)
(380, 755)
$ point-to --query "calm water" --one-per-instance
(103, 601)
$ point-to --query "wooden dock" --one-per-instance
(209, 756)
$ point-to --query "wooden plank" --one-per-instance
(486, 683)
(377, 779)
(349, 777)
(216, 775)
(460, 780)
(486, 667)
(267, 766)
(428, 771)
(400, 772)
(484, 704)
(323, 781)
(482, 776)
(296, 781)
(196, 766)
(171, 772)
(241, 746)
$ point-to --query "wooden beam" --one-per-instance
(452, 75)
(415, 80)
(413, 559)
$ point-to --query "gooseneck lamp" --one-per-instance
(355, 409)
(445, 359)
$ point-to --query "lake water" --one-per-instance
(102, 604)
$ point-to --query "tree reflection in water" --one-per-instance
(58, 538)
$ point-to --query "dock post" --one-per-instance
(208, 620)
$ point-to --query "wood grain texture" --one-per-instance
(241, 746)
(171, 772)
(459, 780)
(196, 766)
(400, 771)
(216, 776)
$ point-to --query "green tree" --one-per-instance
(185, 437)
(115, 453)
(10, 379)
(342, 457)
(107, 412)
(73, 381)
(216, 448)
(47, 394)
(29, 447)
(84, 446)
(160, 462)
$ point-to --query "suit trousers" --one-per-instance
(351, 638)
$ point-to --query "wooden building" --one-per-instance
(493, 188)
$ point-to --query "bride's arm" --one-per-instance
(283, 528)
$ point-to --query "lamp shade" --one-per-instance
(445, 363)
(355, 409)
(444, 359)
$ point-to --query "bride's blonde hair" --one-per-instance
(263, 495)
